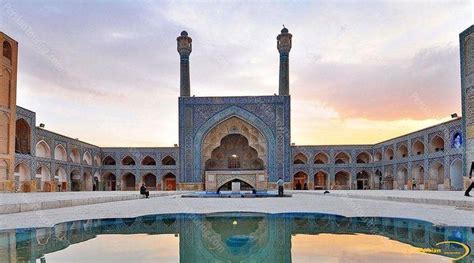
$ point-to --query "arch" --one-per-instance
(402, 151)
(109, 181)
(227, 186)
(88, 181)
(363, 180)
(7, 51)
(389, 154)
(75, 177)
(43, 177)
(75, 156)
(364, 157)
(60, 231)
(342, 180)
(455, 174)
(148, 160)
(342, 158)
(60, 178)
(300, 158)
(321, 180)
(22, 177)
(245, 116)
(437, 174)
(96, 183)
(60, 153)
(418, 175)
(418, 148)
(168, 160)
(233, 153)
(388, 179)
(378, 179)
(42, 236)
(321, 158)
(235, 133)
(43, 150)
(402, 178)
(378, 156)
(96, 160)
(128, 182)
(456, 140)
(87, 158)
(22, 137)
(436, 144)
(169, 182)
(300, 181)
(149, 180)
(108, 161)
(128, 160)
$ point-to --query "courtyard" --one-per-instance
(433, 206)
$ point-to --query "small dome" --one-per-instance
(184, 34)
(284, 30)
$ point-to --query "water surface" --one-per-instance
(237, 237)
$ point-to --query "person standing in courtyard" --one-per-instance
(413, 184)
(280, 183)
(143, 191)
(472, 182)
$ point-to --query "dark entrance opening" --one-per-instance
(228, 186)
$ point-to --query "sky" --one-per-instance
(107, 72)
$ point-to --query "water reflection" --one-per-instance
(233, 237)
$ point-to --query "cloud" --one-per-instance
(384, 91)
(349, 62)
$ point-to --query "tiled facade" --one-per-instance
(429, 159)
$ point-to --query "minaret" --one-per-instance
(466, 44)
(284, 47)
(184, 49)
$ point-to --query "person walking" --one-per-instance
(472, 182)
(280, 183)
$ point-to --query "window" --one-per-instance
(7, 50)
(234, 162)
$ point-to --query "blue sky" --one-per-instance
(107, 72)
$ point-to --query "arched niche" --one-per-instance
(234, 126)
(22, 137)
(60, 153)
(321, 158)
(43, 150)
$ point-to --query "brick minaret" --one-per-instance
(284, 47)
(184, 50)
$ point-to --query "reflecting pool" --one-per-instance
(239, 237)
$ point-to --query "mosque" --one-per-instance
(232, 139)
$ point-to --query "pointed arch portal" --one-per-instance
(261, 141)
(234, 149)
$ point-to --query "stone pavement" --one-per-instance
(449, 198)
(310, 203)
(24, 202)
